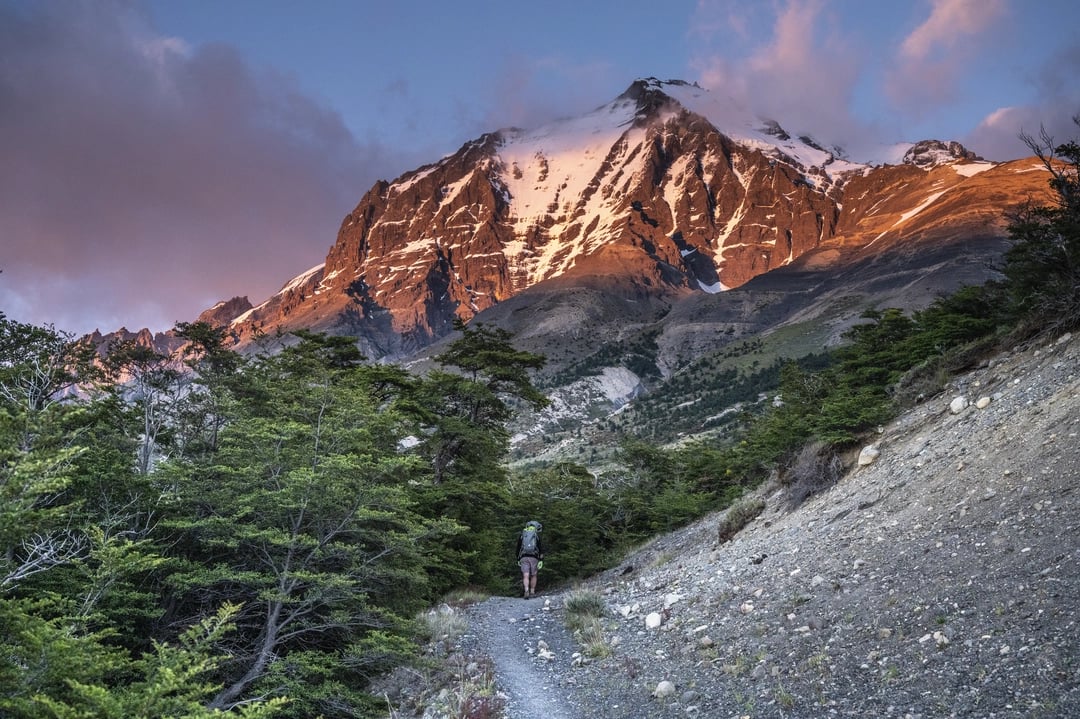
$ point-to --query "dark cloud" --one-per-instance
(143, 180)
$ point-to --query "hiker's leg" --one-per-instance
(532, 583)
(525, 582)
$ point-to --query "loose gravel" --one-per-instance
(939, 580)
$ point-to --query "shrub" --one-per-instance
(583, 605)
(814, 469)
(584, 610)
(738, 516)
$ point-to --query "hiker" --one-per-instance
(530, 554)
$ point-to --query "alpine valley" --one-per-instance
(659, 251)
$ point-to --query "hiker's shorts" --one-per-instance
(528, 565)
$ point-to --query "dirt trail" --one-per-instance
(511, 630)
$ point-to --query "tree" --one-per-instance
(463, 434)
(578, 536)
(1042, 267)
(302, 516)
(37, 365)
(152, 384)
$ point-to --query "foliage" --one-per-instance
(584, 613)
(170, 683)
(1042, 267)
(576, 536)
(462, 417)
(738, 515)
(304, 517)
(290, 489)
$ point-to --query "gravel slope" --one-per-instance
(941, 580)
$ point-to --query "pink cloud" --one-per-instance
(143, 180)
(1056, 102)
(931, 59)
(949, 22)
(802, 75)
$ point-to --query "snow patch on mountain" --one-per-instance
(293, 284)
(765, 135)
(547, 173)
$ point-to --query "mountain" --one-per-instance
(665, 195)
(663, 231)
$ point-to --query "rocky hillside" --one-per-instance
(937, 578)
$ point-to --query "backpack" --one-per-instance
(530, 542)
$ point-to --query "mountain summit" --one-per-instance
(665, 193)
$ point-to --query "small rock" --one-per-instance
(868, 454)
(983, 402)
(664, 689)
(958, 405)
(653, 620)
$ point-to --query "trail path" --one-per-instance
(526, 644)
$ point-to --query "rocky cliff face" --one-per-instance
(663, 195)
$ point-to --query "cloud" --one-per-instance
(930, 61)
(531, 91)
(1057, 101)
(803, 74)
(144, 180)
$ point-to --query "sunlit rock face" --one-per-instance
(663, 194)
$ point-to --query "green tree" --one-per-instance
(462, 416)
(1042, 267)
(578, 536)
(76, 563)
(303, 517)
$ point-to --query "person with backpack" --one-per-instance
(530, 555)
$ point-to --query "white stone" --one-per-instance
(671, 599)
(958, 405)
(664, 689)
(653, 620)
(868, 454)
(983, 402)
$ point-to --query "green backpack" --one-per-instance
(530, 540)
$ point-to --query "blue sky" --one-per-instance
(161, 155)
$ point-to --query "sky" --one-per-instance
(159, 156)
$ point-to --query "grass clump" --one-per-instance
(444, 624)
(584, 613)
(738, 516)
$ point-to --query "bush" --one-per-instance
(813, 470)
(738, 516)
